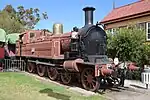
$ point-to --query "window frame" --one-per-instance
(30, 35)
(111, 30)
(147, 27)
(142, 25)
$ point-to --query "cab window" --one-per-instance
(32, 35)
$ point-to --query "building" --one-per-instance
(135, 13)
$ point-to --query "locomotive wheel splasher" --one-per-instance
(88, 80)
(41, 70)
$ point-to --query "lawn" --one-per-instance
(18, 86)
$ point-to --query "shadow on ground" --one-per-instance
(138, 86)
(50, 93)
(106, 88)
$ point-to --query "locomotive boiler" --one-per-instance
(80, 53)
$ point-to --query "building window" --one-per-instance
(141, 25)
(112, 31)
(148, 30)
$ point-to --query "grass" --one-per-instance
(18, 86)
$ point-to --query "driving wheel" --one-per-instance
(52, 73)
(66, 78)
(41, 70)
(30, 67)
(88, 80)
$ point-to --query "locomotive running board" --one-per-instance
(86, 63)
(89, 63)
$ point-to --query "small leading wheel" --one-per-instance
(52, 73)
(30, 67)
(66, 78)
(116, 81)
(41, 70)
(88, 80)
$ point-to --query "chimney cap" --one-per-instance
(88, 8)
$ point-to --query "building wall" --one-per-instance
(128, 22)
(142, 22)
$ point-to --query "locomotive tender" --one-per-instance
(82, 56)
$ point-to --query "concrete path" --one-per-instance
(133, 90)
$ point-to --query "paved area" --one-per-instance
(133, 90)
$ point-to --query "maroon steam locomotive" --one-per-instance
(82, 56)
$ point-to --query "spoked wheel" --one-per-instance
(66, 78)
(41, 70)
(88, 80)
(30, 67)
(52, 73)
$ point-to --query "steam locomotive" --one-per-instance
(80, 53)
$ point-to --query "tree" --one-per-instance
(9, 24)
(16, 20)
(128, 45)
(30, 17)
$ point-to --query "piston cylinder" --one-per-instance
(71, 65)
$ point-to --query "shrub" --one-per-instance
(128, 44)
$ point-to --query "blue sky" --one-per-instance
(67, 12)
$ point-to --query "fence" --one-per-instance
(13, 65)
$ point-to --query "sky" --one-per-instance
(67, 12)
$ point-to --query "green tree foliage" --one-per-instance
(30, 17)
(9, 24)
(145, 56)
(15, 20)
(10, 10)
(128, 45)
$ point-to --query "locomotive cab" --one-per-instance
(75, 40)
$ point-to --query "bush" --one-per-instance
(133, 75)
(128, 44)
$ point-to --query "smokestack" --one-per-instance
(88, 15)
